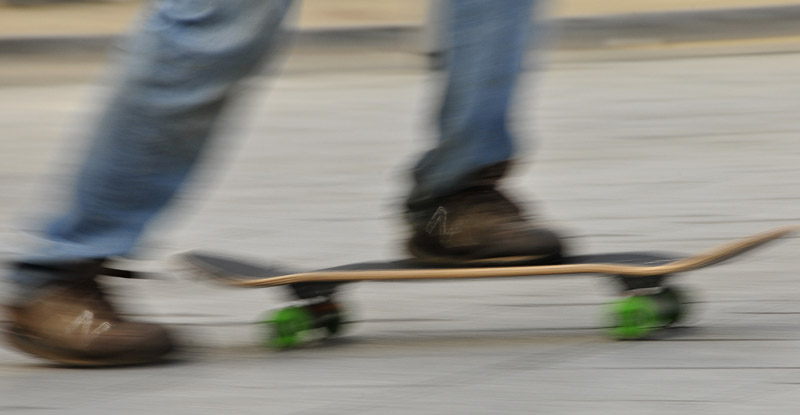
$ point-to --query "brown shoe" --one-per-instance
(72, 323)
(481, 226)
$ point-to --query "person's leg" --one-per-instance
(486, 43)
(180, 69)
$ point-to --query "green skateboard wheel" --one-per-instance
(634, 317)
(287, 327)
(294, 325)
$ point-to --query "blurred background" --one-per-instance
(657, 125)
(111, 16)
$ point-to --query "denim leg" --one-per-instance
(486, 43)
(179, 69)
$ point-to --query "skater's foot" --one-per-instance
(71, 322)
(481, 226)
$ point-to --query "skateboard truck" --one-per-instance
(640, 285)
(312, 290)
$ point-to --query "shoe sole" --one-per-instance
(24, 343)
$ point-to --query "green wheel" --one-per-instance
(287, 327)
(634, 317)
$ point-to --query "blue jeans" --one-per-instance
(182, 66)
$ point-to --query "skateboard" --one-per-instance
(645, 305)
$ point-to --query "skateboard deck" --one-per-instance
(646, 304)
(247, 273)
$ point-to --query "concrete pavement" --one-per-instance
(672, 154)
